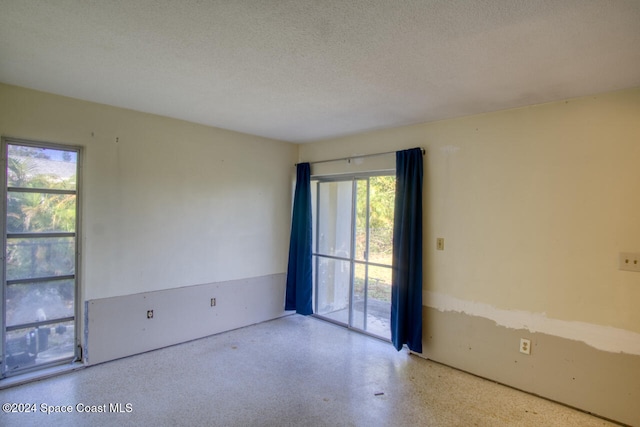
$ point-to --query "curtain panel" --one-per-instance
(299, 283)
(406, 288)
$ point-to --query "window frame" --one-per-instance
(5, 142)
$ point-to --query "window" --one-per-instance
(40, 254)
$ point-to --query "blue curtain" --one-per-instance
(406, 285)
(298, 294)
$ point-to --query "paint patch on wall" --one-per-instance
(601, 337)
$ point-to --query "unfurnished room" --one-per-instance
(320, 213)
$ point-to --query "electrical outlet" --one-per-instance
(440, 243)
(525, 346)
(213, 302)
(629, 261)
(149, 314)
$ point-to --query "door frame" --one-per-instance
(352, 260)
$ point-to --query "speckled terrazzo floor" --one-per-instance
(293, 371)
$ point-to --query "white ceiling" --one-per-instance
(305, 70)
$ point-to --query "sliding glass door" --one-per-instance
(353, 226)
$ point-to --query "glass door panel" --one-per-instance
(333, 250)
(359, 314)
(353, 228)
(361, 219)
(334, 277)
(381, 205)
(378, 301)
(334, 212)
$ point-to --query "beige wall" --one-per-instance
(535, 204)
(165, 203)
(173, 214)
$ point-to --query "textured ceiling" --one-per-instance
(304, 70)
